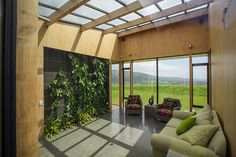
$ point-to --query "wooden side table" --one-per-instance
(149, 110)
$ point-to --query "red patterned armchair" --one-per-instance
(133, 105)
(164, 111)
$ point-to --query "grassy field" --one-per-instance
(166, 90)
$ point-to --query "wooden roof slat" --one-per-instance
(161, 14)
(176, 19)
(119, 12)
(65, 10)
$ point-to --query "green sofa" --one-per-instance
(161, 142)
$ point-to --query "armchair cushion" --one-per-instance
(164, 112)
(134, 106)
(134, 99)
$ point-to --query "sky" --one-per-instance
(171, 67)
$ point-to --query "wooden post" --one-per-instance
(121, 101)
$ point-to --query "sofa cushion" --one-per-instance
(199, 134)
(185, 125)
(174, 122)
(169, 131)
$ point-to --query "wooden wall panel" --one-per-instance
(167, 41)
(223, 48)
(26, 78)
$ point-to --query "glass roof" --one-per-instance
(128, 1)
(122, 30)
(131, 17)
(75, 19)
(88, 12)
(165, 4)
(43, 11)
(116, 22)
(146, 23)
(197, 8)
(148, 10)
(177, 14)
(104, 26)
(54, 3)
(156, 20)
(132, 27)
(108, 5)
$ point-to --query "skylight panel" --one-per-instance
(75, 19)
(88, 12)
(116, 22)
(54, 3)
(197, 8)
(103, 26)
(131, 17)
(132, 27)
(119, 31)
(148, 10)
(177, 14)
(43, 11)
(169, 3)
(143, 24)
(160, 19)
(108, 5)
(128, 1)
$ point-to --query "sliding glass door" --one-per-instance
(173, 79)
(144, 79)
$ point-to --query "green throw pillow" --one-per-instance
(185, 125)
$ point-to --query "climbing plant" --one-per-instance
(83, 92)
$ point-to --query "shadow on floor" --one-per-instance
(112, 135)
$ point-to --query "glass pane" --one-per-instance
(103, 26)
(115, 84)
(144, 79)
(108, 5)
(197, 8)
(126, 65)
(119, 31)
(116, 22)
(128, 1)
(200, 85)
(156, 20)
(173, 80)
(54, 3)
(169, 3)
(126, 83)
(148, 10)
(143, 24)
(131, 17)
(88, 12)
(43, 11)
(177, 14)
(132, 27)
(201, 58)
(75, 19)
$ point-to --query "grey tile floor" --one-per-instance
(112, 135)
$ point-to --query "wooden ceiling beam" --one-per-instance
(65, 10)
(161, 14)
(172, 20)
(119, 12)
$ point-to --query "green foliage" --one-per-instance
(84, 95)
(84, 118)
(52, 127)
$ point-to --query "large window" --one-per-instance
(173, 80)
(126, 77)
(144, 79)
(200, 81)
(115, 84)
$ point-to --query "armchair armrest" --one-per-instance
(177, 108)
(182, 114)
